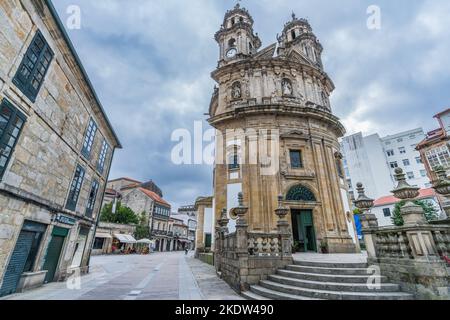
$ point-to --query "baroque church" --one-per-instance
(280, 94)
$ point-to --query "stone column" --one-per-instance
(199, 233)
(221, 230)
(368, 220)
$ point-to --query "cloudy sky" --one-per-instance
(150, 62)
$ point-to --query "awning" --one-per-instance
(103, 235)
(148, 241)
(125, 238)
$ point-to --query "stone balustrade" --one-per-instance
(264, 245)
(414, 255)
(244, 257)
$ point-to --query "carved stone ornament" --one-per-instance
(286, 87)
(236, 90)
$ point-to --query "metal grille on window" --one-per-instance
(300, 193)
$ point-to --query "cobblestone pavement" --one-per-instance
(158, 276)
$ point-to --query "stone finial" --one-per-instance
(293, 15)
(223, 221)
(240, 199)
(442, 185)
(404, 190)
(363, 202)
(240, 211)
(281, 211)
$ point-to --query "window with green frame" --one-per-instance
(92, 198)
(34, 66)
(75, 188)
(11, 124)
(89, 139)
(102, 157)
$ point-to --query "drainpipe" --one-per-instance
(98, 215)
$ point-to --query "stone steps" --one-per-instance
(330, 264)
(328, 277)
(308, 280)
(333, 286)
(263, 293)
(333, 295)
(334, 271)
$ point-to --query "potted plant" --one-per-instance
(323, 246)
(296, 246)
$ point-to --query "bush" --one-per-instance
(123, 215)
(429, 209)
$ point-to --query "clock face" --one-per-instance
(231, 52)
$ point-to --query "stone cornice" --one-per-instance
(298, 111)
(272, 63)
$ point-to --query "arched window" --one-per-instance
(293, 34)
(231, 42)
(300, 193)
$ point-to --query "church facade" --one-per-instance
(277, 135)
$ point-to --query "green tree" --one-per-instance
(428, 208)
(123, 215)
(142, 229)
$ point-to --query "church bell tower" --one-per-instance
(236, 38)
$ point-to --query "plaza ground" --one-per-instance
(158, 276)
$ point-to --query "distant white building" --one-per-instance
(372, 160)
(384, 207)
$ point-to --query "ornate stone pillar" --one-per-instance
(221, 230)
(283, 229)
(368, 220)
(199, 233)
(412, 214)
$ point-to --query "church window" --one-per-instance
(293, 34)
(231, 42)
(296, 159)
(300, 193)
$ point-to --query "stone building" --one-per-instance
(112, 235)
(157, 210)
(434, 149)
(56, 150)
(276, 134)
(188, 215)
(180, 234)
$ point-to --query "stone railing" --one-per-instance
(411, 242)
(414, 255)
(243, 258)
(264, 245)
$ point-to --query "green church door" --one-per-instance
(303, 230)
(54, 252)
